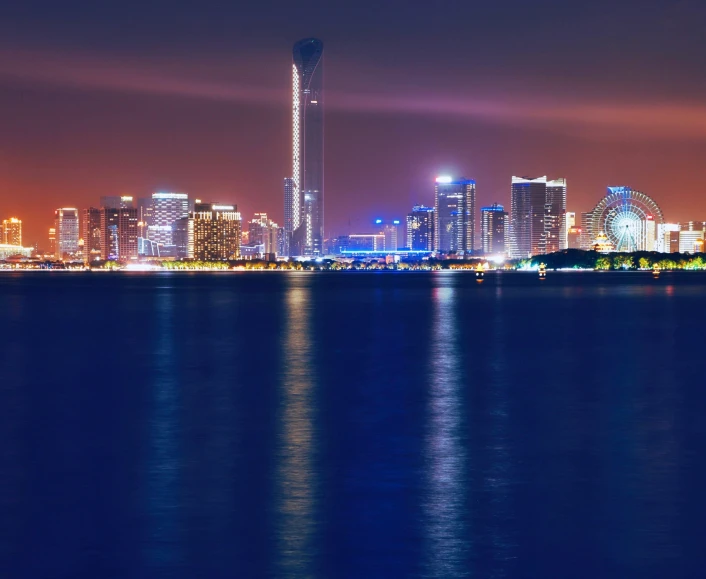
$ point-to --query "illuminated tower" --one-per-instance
(11, 231)
(420, 228)
(454, 215)
(304, 191)
(66, 226)
(492, 229)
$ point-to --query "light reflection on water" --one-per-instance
(295, 506)
(446, 507)
(163, 548)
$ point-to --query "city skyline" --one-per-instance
(118, 118)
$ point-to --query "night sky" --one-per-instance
(105, 98)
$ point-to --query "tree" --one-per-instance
(603, 263)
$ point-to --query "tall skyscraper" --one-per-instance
(166, 209)
(66, 227)
(390, 231)
(304, 191)
(420, 228)
(52, 241)
(492, 229)
(555, 216)
(119, 233)
(537, 216)
(216, 231)
(263, 232)
(454, 215)
(91, 234)
(11, 231)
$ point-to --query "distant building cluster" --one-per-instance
(171, 225)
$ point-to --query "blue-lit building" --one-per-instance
(492, 229)
(454, 215)
(420, 229)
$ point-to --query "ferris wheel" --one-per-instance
(628, 218)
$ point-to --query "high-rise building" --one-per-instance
(454, 215)
(166, 209)
(216, 231)
(66, 227)
(492, 229)
(586, 234)
(365, 243)
(119, 233)
(304, 191)
(52, 241)
(570, 221)
(555, 216)
(574, 238)
(145, 211)
(91, 234)
(264, 233)
(390, 231)
(537, 216)
(11, 231)
(420, 228)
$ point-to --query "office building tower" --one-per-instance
(492, 229)
(145, 211)
(166, 209)
(390, 231)
(420, 228)
(183, 238)
(555, 216)
(52, 241)
(691, 237)
(537, 216)
(216, 231)
(304, 191)
(574, 238)
(454, 211)
(569, 222)
(586, 234)
(11, 231)
(119, 233)
(66, 228)
(117, 202)
(264, 234)
(91, 234)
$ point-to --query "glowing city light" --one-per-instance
(443, 179)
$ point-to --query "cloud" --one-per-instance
(188, 79)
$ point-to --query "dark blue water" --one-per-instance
(352, 425)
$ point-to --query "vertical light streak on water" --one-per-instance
(498, 479)
(164, 548)
(295, 504)
(445, 509)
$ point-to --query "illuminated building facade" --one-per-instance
(365, 242)
(11, 231)
(390, 231)
(691, 238)
(555, 216)
(66, 231)
(492, 229)
(420, 228)
(216, 232)
(574, 238)
(91, 234)
(304, 191)
(537, 216)
(119, 233)
(166, 209)
(52, 241)
(667, 237)
(454, 211)
(264, 233)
